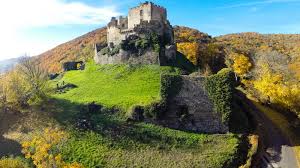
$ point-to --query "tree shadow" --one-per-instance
(7, 120)
(273, 142)
(9, 147)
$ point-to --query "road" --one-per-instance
(277, 150)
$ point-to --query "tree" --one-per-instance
(241, 64)
(190, 50)
(26, 83)
(274, 89)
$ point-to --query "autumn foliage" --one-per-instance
(241, 63)
(190, 50)
(43, 149)
(271, 64)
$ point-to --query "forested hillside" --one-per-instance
(80, 48)
(260, 61)
(268, 66)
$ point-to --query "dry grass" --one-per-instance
(253, 141)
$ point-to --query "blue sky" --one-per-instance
(34, 26)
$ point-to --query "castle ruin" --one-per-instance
(145, 36)
(142, 21)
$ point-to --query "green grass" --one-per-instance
(113, 142)
(146, 145)
(121, 86)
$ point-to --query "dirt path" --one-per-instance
(277, 150)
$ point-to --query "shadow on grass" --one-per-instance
(7, 146)
(108, 123)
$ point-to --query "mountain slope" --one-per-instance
(80, 48)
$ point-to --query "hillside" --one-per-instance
(105, 137)
(115, 142)
(81, 48)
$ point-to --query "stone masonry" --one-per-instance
(192, 110)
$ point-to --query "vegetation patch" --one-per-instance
(220, 89)
(110, 51)
(136, 43)
(11, 162)
(118, 144)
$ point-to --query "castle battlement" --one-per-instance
(148, 3)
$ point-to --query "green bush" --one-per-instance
(135, 43)
(220, 88)
(110, 52)
(115, 50)
(104, 51)
(155, 110)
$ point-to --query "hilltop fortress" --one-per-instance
(144, 36)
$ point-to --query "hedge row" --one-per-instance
(220, 88)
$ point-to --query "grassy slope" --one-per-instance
(113, 85)
(116, 143)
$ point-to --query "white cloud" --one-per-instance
(18, 15)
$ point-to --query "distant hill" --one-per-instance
(8, 64)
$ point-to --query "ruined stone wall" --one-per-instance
(191, 109)
(146, 12)
(158, 13)
(147, 57)
(135, 15)
(114, 35)
(123, 23)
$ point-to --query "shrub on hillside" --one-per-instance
(220, 88)
(43, 149)
(155, 110)
(26, 84)
(10, 162)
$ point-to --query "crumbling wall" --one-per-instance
(147, 57)
(191, 109)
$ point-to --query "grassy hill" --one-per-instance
(114, 85)
(114, 142)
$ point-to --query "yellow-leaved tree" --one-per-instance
(241, 64)
(273, 88)
(190, 50)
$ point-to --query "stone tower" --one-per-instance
(147, 18)
(120, 28)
